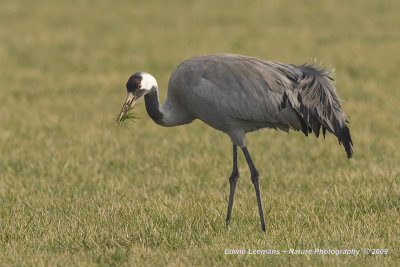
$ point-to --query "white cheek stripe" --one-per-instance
(148, 82)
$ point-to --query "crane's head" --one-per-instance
(138, 85)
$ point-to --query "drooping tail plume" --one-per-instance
(319, 105)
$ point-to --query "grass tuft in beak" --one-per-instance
(128, 116)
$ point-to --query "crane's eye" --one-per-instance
(133, 84)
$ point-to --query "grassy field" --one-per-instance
(77, 190)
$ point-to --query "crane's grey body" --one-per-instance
(238, 94)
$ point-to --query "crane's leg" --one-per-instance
(256, 181)
(232, 181)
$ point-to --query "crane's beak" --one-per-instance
(129, 102)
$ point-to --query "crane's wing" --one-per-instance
(251, 89)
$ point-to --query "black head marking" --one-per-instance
(134, 81)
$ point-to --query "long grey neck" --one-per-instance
(153, 107)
